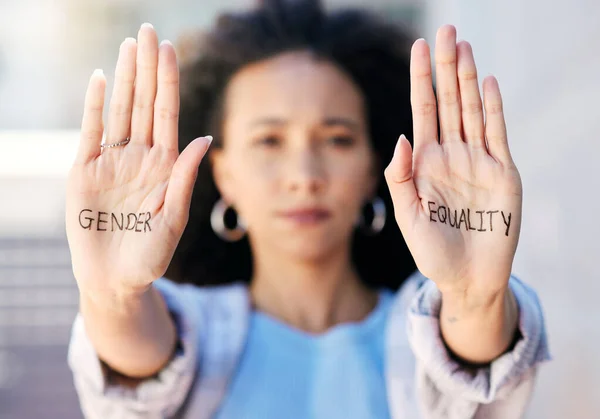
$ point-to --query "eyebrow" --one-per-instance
(328, 122)
(348, 123)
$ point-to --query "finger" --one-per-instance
(495, 126)
(145, 86)
(447, 84)
(166, 106)
(92, 126)
(470, 98)
(399, 177)
(424, 110)
(181, 183)
(121, 101)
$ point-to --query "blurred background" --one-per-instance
(545, 55)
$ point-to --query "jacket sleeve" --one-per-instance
(157, 397)
(446, 389)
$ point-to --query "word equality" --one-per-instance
(445, 215)
(118, 221)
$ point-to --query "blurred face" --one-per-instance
(297, 163)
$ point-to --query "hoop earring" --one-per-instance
(217, 222)
(379, 216)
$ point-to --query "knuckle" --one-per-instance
(142, 104)
(467, 75)
(124, 78)
(387, 172)
(472, 108)
(120, 110)
(426, 109)
(92, 134)
(448, 97)
(167, 113)
(95, 107)
(146, 66)
(446, 61)
(169, 81)
(424, 74)
(494, 108)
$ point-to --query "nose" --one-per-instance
(306, 171)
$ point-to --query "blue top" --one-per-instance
(287, 373)
(213, 323)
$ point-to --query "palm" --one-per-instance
(127, 206)
(457, 201)
(121, 187)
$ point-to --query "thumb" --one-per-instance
(181, 183)
(399, 177)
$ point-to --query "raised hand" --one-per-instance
(127, 205)
(457, 198)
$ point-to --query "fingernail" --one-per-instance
(147, 25)
(98, 72)
(210, 139)
(398, 144)
(126, 42)
(166, 42)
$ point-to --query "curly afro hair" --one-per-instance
(374, 53)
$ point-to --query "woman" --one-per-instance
(303, 106)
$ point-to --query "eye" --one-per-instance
(341, 140)
(269, 141)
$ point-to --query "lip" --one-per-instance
(309, 215)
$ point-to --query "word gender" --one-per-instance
(445, 215)
(118, 221)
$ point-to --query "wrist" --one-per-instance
(479, 327)
(114, 299)
(476, 295)
(471, 301)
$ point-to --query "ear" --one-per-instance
(221, 173)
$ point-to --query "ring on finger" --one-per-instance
(120, 143)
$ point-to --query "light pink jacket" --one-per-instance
(423, 381)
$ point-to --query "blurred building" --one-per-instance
(48, 50)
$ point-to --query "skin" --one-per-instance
(470, 166)
(304, 144)
(290, 150)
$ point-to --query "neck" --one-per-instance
(311, 295)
